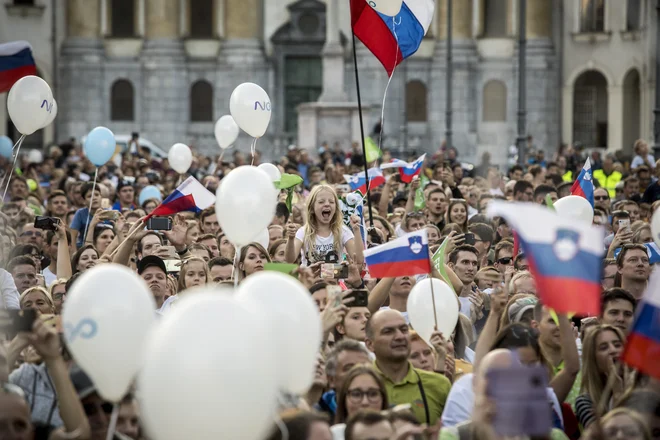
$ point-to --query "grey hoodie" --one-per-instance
(39, 392)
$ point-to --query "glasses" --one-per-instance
(601, 198)
(31, 233)
(93, 408)
(504, 260)
(415, 214)
(356, 395)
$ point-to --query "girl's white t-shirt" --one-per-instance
(323, 245)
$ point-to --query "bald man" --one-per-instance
(388, 338)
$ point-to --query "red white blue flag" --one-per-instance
(584, 184)
(358, 182)
(406, 255)
(392, 39)
(189, 196)
(407, 170)
(643, 344)
(16, 61)
(564, 256)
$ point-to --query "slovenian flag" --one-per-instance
(189, 196)
(16, 61)
(358, 182)
(584, 184)
(651, 248)
(564, 256)
(406, 255)
(392, 39)
(406, 170)
(642, 350)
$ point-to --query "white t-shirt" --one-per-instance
(49, 276)
(324, 245)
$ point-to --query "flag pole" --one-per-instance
(364, 148)
(435, 315)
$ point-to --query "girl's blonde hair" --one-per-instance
(336, 223)
(593, 382)
(184, 266)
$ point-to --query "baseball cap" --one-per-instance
(81, 382)
(518, 308)
(122, 183)
(150, 261)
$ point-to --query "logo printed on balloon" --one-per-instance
(85, 329)
(265, 106)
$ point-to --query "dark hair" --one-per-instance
(317, 286)
(364, 417)
(282, 211)
(515, 168)
(206, 213)
(517, 259)
(521, 186)
(139, 243)
(52, 234)
(273, 247)
(630, 179)
(504, 244)
(453, 257)
(342, 394)
(404, 416)
(220, 261)
(100, 229)
(76, 257)
(643, 401)
(87, 187)
(298, 424)
(20, 261)
(71, 280)
(614, 294)
(543, 189)
(484, 232)
(23, 249)
(629, 247)
(436, 190)
(57, 193)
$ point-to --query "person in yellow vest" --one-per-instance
(608, 177)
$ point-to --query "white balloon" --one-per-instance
(575, 207)
(214, 358)
(30, 104)
(420, 308)
(272, 171)
(226, 131)
(294, 322)
(386, 7)
(52, 115)
(107, 316)
(244, 204)
(251, 108)
(35, 156)
(655, 226)
(263, 238)
(180, 158)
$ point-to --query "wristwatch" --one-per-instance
(179, 253)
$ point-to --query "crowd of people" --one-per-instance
(376, 378)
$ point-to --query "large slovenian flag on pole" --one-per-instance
(16, 61)
(406, 255)
(642, 349)
(584, 184)
(189, 196)
(564, 255)
(407, 171)
(392, 39)
(358, 182)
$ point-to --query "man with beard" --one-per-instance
(388, 338)
(152, 270)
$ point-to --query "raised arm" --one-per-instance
(379, 294)
(384, 202)
(293, 245)
(410, 203)
(134, 235)
(489, 333)
(64, 269)
(562, 383)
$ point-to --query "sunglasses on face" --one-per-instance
(92, 408)
(599, 198)
(505, 260)
(31, 233)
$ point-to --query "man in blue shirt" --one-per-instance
(82, 217)
(125, 196)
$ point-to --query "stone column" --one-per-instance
(243, 31)
(162, 19)
(539, 19)
(461, 19)
(83, 18)
(333, 57)
(614, 118)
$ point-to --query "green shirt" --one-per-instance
(452, 434)
(435, 386)
(575, 390)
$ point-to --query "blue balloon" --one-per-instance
(5, 147)
(149, 192)
(100, 146)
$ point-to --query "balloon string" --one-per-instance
(382, 108)
(278, 420)
(253, 149)
(113, 422)
(234, 275)
(91, 200)
(17, 145)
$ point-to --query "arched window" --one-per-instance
(201, 18)
(122, 101)
(416, 101)
(494, 101)
(122, 15)
(495, 18)
(201, 101)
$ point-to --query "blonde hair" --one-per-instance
(593, 382)
(182, 273)
(40, 289)
(54, 284)
(336, 223)
(519, 276)
(636, 417)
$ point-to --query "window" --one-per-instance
(495, 18)
(121, 101)
(201, 18)
(494, 101)
(201, 102)
(24, 2)
(416, 101)
(123, 18)
(592, 15)
(303, 82)
(633, 15)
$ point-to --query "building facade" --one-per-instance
(166, 69)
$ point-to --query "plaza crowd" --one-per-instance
(375, 378)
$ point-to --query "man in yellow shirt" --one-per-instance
(608, 177)
(388, 338)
